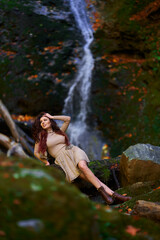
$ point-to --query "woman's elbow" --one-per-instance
(68, 118)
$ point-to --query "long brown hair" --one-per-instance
(40, 134)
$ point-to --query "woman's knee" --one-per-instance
(82, 165)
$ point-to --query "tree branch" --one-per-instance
(7, 117)
(17, 133)
(13, 147)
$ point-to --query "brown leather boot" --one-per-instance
(120, 197)
(108, 199)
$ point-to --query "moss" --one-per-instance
(41, 193)
(148, 191)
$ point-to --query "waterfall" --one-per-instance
(76, 103)
(77, 107)
(82, 82)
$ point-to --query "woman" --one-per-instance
(73, 160)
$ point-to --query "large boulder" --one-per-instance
(139, 163)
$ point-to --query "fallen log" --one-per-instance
(23, 139)
(12, 147)
(5, 141)
(9, 121)
(17, 133)
(147, 209)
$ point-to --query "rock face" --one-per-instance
(139, 163)
(44, 41)
(124, 56)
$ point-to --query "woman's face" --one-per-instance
(45, 122)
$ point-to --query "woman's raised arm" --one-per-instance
(66, 120)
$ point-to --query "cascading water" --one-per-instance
(80, 134)
(82, 81)
(76, 104)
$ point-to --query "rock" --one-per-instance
(34, 225)
(56, 211)
(140, 163)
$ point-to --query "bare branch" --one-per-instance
(7, 117)
(13, 147)
(17, 133)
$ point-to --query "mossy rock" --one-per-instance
(37, 203)
(148, 191)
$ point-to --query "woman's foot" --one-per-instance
(108, 199)
(120, 197)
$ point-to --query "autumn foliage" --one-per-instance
(152, 7)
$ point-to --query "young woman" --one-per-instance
(73, 160)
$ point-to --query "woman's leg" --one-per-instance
(105, 191)
(89, 176)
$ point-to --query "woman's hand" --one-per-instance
(47, 164)
(48, 115)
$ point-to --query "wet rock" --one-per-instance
(34, 225)
(32, 172)
(140, 163)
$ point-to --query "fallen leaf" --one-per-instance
(6, 164)
(5, 175)
(16, 202)
(2, 233)
(21, 165)
(136, 217)
(132, 230)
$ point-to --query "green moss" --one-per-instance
(147, 191)
(41, 193)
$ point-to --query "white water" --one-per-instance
(76, 104)
(82, 81)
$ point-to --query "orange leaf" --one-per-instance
(16, 202)
(129, 210)
(132, 230)
(136, 217)
(21, 165)
(98, 206)
(2, 233)
(6, 175)
(6, 164)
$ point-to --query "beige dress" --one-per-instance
(67, 157)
